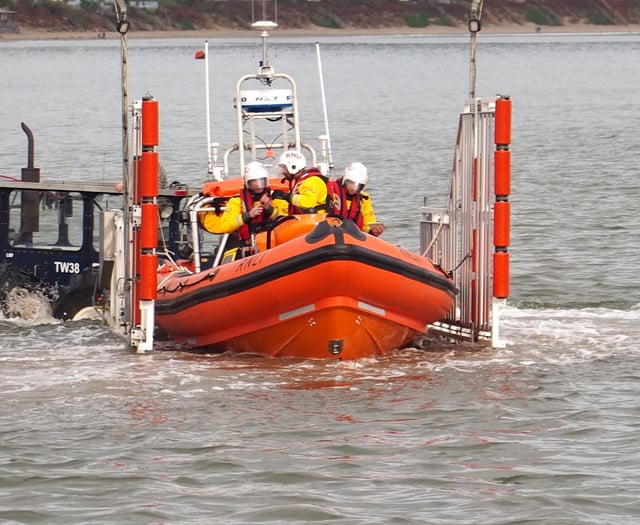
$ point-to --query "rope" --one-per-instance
(435, 238)
(181, 285)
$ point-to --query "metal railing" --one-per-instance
(462, 238)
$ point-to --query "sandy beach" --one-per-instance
(312, 31)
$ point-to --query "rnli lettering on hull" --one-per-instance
(66, 267)
(250, 262)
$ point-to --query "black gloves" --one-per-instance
(279, 194)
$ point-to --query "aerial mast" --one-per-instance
(475, 26)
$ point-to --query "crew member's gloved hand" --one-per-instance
(279, 194)
(376, 229)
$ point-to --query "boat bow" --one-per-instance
(335, 292)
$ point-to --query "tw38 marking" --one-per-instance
(66, 267)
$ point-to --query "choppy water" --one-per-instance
(544, 431)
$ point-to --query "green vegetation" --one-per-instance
(541, 17)
(598, 19)
(57, 15)
(421, 20)
(442, 22)
(323, 21)
(418, 20)
(185, 25)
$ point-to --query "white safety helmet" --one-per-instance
(356, 172)
(255, 171)
(292, 162)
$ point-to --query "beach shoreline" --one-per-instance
(315, 31)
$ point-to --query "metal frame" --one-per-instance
(460, 237)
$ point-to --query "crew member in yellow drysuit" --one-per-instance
(308, 187)
(253, 210)
(348, 200)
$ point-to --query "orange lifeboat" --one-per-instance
(324, 289)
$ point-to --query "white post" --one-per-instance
(207, 106)
(324, 109)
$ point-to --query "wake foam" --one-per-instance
(32, 306)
